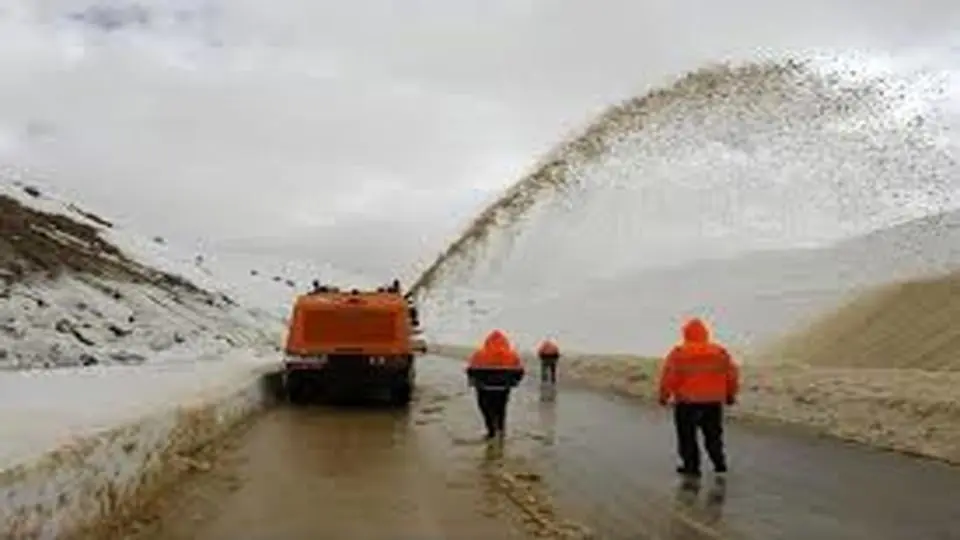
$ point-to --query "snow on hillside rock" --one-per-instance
(267, 284)
(272, 282)
(76, 291)
(84, 321)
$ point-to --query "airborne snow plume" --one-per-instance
(720, 194)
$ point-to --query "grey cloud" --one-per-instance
(271, 119)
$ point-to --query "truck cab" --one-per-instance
(351, 344)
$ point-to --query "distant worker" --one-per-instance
(493, 370)
(549, 353)
(700, 377)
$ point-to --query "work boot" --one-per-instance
(720, 480)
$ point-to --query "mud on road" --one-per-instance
(574, 462)
(364, 473)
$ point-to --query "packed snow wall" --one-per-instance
(723, 194)
(115, 460)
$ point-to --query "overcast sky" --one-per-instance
(365, 131)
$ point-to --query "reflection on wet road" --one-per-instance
(344, 473)
(381, 474)
(613, 461)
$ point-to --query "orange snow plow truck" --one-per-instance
(350, 344)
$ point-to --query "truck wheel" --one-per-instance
(401, 394)
(297, 390)
(298, 396)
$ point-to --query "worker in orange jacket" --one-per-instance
(700, 377)
(494, 369)
(549, 353)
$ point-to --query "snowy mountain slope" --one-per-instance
(270, 281)
(752, 298)
(75, 290)
(910, 324)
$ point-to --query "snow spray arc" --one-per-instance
(790, 152)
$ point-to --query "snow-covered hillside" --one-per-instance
(751, 298)
(77, 291)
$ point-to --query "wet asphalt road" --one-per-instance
(615, 460)
(381, 474)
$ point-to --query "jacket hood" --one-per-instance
(496, 341)
(696, 331)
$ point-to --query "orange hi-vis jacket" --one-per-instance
(548, 349)
(698, 370)
(496, 353)
(495, 365)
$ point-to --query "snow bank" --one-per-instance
(907, 325)
(118, 435)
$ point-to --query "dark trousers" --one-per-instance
(689, 418)
(493, 407)
(548, 370)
